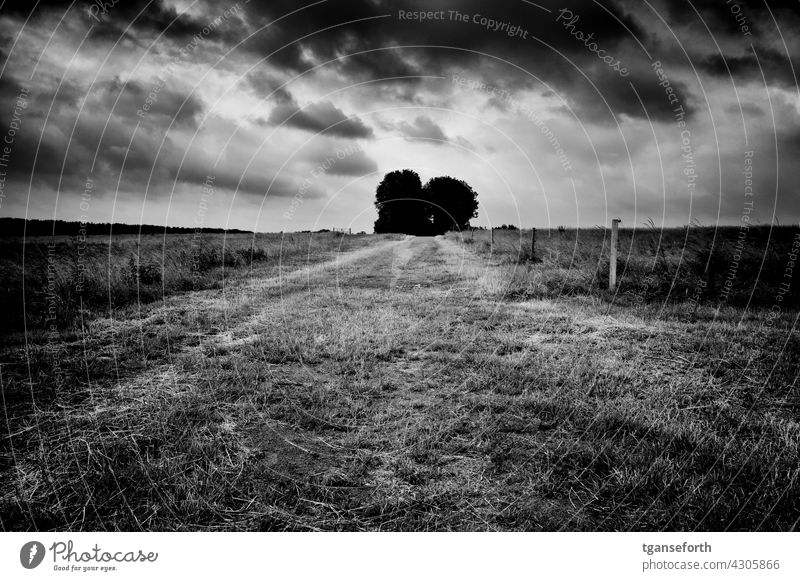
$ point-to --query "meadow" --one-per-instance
(407, 383)
(724, 266)
(57, 280)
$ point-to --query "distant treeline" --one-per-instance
(20, 227)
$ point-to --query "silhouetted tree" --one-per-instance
(400, 204)
(453, 203)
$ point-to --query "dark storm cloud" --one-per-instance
(22, 101)
(748, 109)
(387, 45)
(321, 117)
(426, 129)
(253, 182)
(10, 89)
(95, 134)
(744, 29)
(111, 20)
(349, 32)
(775, 67)
(732, 16)
(362, 37)
(266, 86)
(422, 128)
(166, 103)
(367, 39)
(352, 162)
(612, 97)
(25, 7)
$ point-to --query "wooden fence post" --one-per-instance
(612, 266)
(533, 244)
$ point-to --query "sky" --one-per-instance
(279, 115)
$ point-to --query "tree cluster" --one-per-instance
(406, 206)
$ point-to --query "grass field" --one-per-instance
(392, 383)
(59, 277)
(716, 266)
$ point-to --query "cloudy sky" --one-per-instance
(284, 115)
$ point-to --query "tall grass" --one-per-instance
(718, 266)
(48, 280)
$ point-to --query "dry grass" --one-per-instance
(59, 276)
(654, 266)
(394, 391)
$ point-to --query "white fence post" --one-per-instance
(612, 266)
